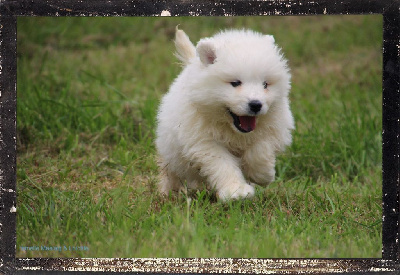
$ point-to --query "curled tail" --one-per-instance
(185, 50)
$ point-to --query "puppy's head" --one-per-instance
(240, 73)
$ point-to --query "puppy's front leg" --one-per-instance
(259, 163)
(222, 170)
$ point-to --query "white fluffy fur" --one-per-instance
(197, 141)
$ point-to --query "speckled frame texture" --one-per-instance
(11, 9)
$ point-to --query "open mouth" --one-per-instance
(244, 124)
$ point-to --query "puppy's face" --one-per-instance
(243, 76)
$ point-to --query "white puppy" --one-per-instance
(226, 115)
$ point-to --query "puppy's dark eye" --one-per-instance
(265, 84)
(236, 83)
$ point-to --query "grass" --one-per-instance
(88, 91)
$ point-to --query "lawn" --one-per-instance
(88, 91)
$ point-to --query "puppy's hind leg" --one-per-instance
(168, 180)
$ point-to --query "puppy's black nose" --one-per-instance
(255, 106)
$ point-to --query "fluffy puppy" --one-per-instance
(226, 116)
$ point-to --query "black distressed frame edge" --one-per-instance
(390, 10)
(8, 104)
(391, 134)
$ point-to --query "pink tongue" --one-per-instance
(247, 123)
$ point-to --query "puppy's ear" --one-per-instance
(270, 38)
(185, 50)
(206, 52)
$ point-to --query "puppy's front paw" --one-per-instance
(263, 178)
(241, 191)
